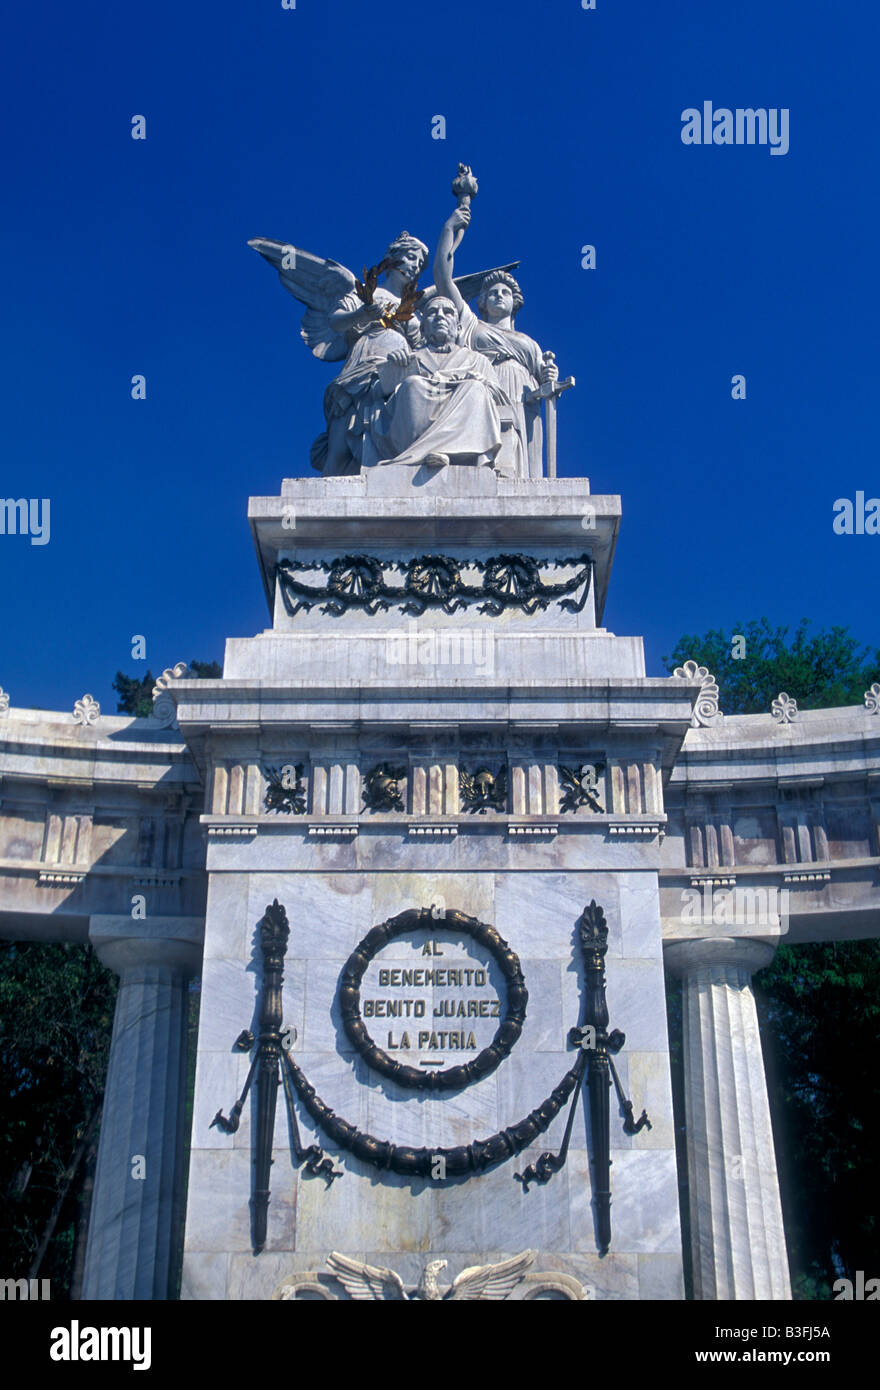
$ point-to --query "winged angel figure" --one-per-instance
(364, 1281)
(363, 325)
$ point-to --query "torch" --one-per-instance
(464, 187)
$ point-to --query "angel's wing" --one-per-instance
(469, 286)
(366, 1281)
(318, 284)
(491, 1281)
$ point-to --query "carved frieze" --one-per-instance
(483, 790)
(434, 581)
(382, 788)
(285, 790)
(579, 787)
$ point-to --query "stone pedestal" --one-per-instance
(439, 632)
(736, 1216)
(138, 1198)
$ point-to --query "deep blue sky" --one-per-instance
(313, 126)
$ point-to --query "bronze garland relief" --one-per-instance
(595, 1044)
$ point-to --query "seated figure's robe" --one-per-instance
(446, 403)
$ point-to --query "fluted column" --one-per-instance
(736, 1215)
(137, 1206)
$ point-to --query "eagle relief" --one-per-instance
(484, 1283)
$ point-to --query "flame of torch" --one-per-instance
(464, 186)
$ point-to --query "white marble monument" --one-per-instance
(454, 835)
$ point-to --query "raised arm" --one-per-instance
(444, 260)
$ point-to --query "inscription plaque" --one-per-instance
(432, 991)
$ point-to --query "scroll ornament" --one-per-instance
(706, 710)
(164, 710)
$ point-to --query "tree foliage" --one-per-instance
(818, 669)
(56, 1014)
(136, 694)
(818, 1004)
(819, 1007)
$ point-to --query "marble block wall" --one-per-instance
(402, 1223)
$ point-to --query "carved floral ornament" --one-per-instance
(706, 710)
(784, 709)
(86, 711)
(872, 699)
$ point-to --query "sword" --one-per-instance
(549, 392)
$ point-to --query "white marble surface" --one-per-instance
(736, 1213)
(393, 1218)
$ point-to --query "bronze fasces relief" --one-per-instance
(285, 789)
(579, 786)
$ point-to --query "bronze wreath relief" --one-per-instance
(596, 1048)
(482, 1065)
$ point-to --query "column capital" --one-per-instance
(126, 944)
(743, 953)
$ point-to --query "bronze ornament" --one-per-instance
(433, 581)
(382, 790)
(480, 1066)
(596, 1049)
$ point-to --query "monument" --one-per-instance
(430, 842)
(434, 827)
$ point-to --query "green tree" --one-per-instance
(136, 695)
(56, 1014)
(818, 1004)
(818, 669)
